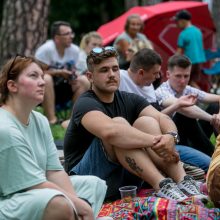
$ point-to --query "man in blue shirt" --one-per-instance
(190, 43)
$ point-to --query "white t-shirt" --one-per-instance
(47, 53)
(81, 64)
(128, 85)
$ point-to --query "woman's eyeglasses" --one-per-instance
(98, 50)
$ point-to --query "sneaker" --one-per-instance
(189, 186)
(170, 190)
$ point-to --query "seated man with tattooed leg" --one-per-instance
(119, 136)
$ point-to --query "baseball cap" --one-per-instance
(183, 14)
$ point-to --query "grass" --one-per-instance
(57, 130)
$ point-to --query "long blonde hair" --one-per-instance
(87, 37)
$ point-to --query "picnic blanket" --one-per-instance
(146, 206)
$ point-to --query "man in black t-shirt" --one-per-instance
(122, 139)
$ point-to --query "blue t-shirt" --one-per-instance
(190, 40)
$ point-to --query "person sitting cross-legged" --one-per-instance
(120, 138)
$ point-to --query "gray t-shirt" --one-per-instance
(26, 152)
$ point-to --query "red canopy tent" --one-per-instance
(160, 28)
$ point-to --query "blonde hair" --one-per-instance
(137, 45)
(87, 37)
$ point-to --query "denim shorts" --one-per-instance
(96, 162)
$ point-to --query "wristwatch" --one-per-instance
(175, 136)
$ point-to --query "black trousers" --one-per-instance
(192, 134)
(212, 108)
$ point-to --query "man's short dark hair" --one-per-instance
(96, 58)
(178, 60)
(55, 27)
(145, 59)
(183, 14)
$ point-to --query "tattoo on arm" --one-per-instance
(133, 165)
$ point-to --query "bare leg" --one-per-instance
(173, 170)
(49, 99)
(144, 163)
(80, 85)
(136, 161)
(59, 208)
(65, 123)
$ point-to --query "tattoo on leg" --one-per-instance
(133, 165)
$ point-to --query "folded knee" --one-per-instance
(145, 120)
(60, 206)
(120, 120)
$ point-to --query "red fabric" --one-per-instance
(159, 27)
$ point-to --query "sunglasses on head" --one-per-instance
(99, 50)
(13, 62)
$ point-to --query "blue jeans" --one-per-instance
(193, 157)
(96, 162)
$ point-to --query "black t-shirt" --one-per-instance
(78, 139)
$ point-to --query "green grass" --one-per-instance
(212, 139)
(57, 130)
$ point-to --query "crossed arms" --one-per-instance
(128, 137)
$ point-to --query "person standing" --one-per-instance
(190, 43)
(61, 55)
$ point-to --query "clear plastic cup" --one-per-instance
(128, 193)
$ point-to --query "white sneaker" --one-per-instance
(190, 187)
(170, 190)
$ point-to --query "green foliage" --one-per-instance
(213, 139)
(86, 15)
(209, 204)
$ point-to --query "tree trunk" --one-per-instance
(23, 28)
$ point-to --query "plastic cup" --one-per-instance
(128, 193)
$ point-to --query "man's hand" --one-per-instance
(164, 147)
(215, 122)
(187, 100)
(83, 209)
(61, 72)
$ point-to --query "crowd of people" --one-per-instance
(124, 129)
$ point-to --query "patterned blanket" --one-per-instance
(149, 207)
